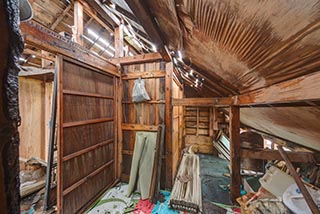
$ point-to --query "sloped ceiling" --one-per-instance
(247, 45)
(297, 124)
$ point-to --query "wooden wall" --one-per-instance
(87, 143)
(198, 128)
(177, 128)
(35, 109)
(148, 113)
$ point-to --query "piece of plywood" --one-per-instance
(35, 101)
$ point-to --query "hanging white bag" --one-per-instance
(139, 93)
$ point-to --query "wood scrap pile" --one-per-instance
(32, 175)
(186, 193)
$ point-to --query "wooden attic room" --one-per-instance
(167, 106)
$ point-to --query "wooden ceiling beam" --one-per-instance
(38, 54)
(148, 22)
(217, 101)
(264, 154)
(301, 89)
(143, 58)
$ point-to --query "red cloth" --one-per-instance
(143, 207)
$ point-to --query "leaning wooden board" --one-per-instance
(87, 127)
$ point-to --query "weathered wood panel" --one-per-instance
(297, 124)
(198, 128)
(87, 148)
(35, 109)
(146, 113)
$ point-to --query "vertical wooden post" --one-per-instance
(59, 62)
(168, 120)
(198, 122)
(78, 21)
(234, 125)
(118, 41)
(211, 130)
(45, 63)
(215, 119)
(119, 120)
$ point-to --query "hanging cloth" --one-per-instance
(139, 93)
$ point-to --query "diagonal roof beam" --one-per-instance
(60, 17)
(143, 14)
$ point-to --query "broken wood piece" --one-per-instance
(313, 207)
(32, 187)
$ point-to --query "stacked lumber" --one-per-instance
(186, 193)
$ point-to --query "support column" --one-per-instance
(168, 121)
(118, 41)
(234, 126)
(78, 22)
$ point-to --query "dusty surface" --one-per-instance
(212, 169)
(297, 124)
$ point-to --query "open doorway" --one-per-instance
(36, 86)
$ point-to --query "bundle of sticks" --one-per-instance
(186, 194)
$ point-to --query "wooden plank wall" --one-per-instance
(86, 161)
(177, 129)
(148, 113)
(35, 98)
(198, 128)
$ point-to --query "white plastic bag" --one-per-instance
(139, 93)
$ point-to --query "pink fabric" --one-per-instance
(143, 207)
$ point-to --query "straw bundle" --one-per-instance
(186, 193)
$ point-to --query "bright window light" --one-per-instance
(103, 41)
(92, 33)
(154, 48)
(99, 46)
(179, 55)
(23, 59)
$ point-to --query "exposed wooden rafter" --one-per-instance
(38, 54)
(143, 14)
(305, 88)
(60, 17)
(302, 89)
(143, 58)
